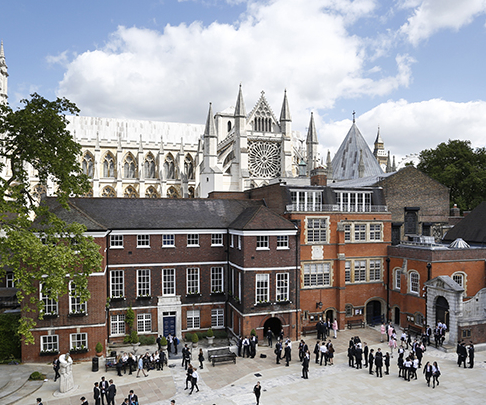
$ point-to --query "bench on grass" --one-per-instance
(220, 355)
(356, 323)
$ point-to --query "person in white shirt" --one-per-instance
(195, 378)
(323, 349)
(435, 374)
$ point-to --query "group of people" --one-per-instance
(106, 391)
(324, 328)
(464, 352)
(247, 346)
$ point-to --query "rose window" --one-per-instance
(264, 159)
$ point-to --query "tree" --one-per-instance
(461, 168)
(35, 244)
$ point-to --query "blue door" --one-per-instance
(169, 325)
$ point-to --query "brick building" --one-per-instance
(182, 265)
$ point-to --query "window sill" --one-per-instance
(283, 248)
(49, 353)
(76, 351)
(50, 316)
(193, 246)
(262, 248)
(285, 302)
(263, 304)
(217, 245)
(117, 247)
(115, 299)
(77, 314)
(193, 295)
(168, 246)
(143, 247)
(144, 297)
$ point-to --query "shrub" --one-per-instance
(210, 333)
(37, 376)
(99, 347)
(9, 338)
(220, 334)
(195, 338)
(253, 332)
(163, 341)
(200, 335)
(188, 337)
(146, 340)
(134, 336)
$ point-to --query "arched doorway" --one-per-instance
(373, 312)
(274, 324)
(442, 311)
(396, 316)
(330, 315)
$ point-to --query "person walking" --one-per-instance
(305, 365)
(55, 367)
(287, 354)
(379, 363)
(471, 355)
(278, 351)
(365, 354)
(140, 367)
(104, 390)
(323, 350)
(188, 375)
(435, 374)
(428, 372)
(132, 398)
(201, 359)
(269, 337)
(386, 360)
(257, 390)
(371, 361)
(383, 332)
(194, 380)
(317, 350)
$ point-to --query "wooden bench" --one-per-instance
(110, 363)
(414, 329)
(309, 329)
(220, 355)
(358, 323)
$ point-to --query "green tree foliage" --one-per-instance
(34, 244)
(461, 168)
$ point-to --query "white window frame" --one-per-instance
(192, 280)
(282, 242)
(193, 318)
(359, 270)
(217, 239)
(414, 285)
(262, 242)
(168, 282)
(143, 241)
(217, 279)
(375, 232)
(75, 304)
(317, 274)
(144, 323)
(282, 287)
(143, 283)
(78, 340)
(398, 279)
(51, 305)
(347, 271)
(9, 280)
(217, 318)
(375, 270)
(117, 283)
(262, 287)
(462, 276)
(239, 242)
(317, 230)
(192, 240)
(168, 241)
(117, 325)
(49, 343)
(360, 232)
(347, 232)
(116, 241)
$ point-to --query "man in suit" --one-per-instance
(278, 351)
(287, 354)
(111, 393)
(96, 394)
(471, 355)
(371, 361)
(39, 401)
(132, 398)
(365, 354)
(379, 363)
(84, 401)
(104, 390)
(269, 337)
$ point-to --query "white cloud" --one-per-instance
(430, 16)
(412, 127)
(172, 75)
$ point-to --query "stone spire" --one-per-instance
(388, 164)
(210, 141)
(285, 113)
(240, 105)
(3, 76)
(329, 165)
(394, 166)
(210, 129)
(311, 144)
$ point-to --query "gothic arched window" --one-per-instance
(108, 192)
(189, 167)
(169, 167)
(130, 192)
(88, 165)
(151, 192)
(172, 193)
(109, 165)
(149, 167)
(39, 192)
(190, 192)
(129, 167)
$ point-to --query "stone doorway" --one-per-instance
(274, 324)
(442, 311)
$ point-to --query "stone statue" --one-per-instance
(66, 371)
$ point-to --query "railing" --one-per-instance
(334, 208)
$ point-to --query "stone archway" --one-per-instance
(375, 311)
(274, 324)
(442, 311)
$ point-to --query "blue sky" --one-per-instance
(415, 68)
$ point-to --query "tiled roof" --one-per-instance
(261, 218)
(345, 163)
(472, 228)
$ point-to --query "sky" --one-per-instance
(413, 68)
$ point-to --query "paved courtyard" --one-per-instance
(233, 384)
